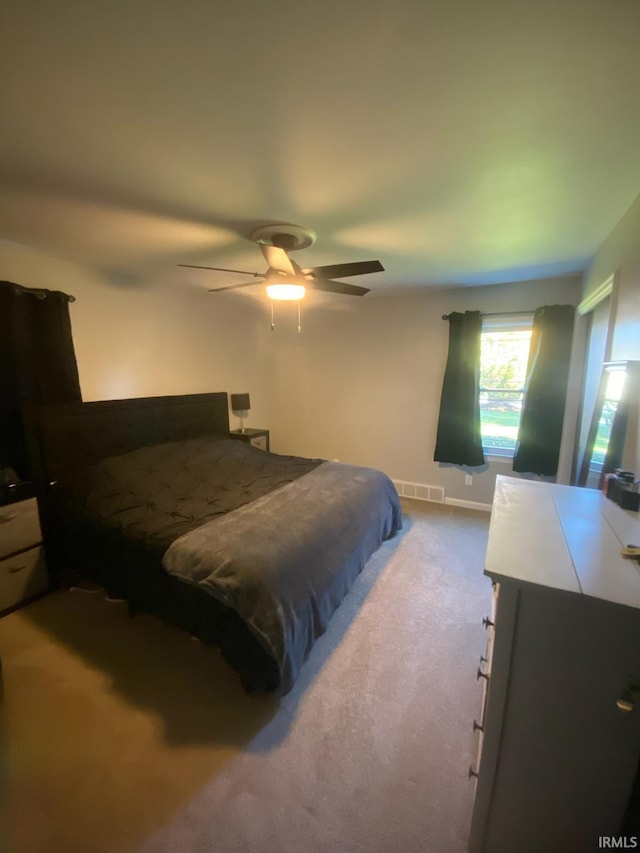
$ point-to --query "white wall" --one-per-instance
(620, 254)
(142, 340)
(362, 382)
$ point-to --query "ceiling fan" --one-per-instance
(284, 278)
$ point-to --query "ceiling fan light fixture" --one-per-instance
(286, 292)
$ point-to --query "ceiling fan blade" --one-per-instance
(233, 286)
(278, 259)
(339, 287)
(344, 270)
(221, 269)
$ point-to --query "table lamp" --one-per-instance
(240, 405)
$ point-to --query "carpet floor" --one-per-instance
(123, 735)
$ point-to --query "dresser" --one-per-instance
(23, 572)
(559, 724)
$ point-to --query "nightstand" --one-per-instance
(255, 437)
(23, 571)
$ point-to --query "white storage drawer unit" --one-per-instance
(558, 753)
(23, 572)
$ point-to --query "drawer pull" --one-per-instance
(483, 659)
(5, 519)
(15, 569)
(627, 699)
(473, 774)
(625, 703)
(477, 727)
(487, 622)
(481, 674)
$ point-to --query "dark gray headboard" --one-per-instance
(70, 436)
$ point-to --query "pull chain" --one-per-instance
(273, 322)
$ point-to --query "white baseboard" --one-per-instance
(468, 504)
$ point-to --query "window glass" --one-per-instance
(503, 370)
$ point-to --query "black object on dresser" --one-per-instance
(11, 492)
(255, 437)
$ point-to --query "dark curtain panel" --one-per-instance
(37, 363)
(545, 395)
(459, 439)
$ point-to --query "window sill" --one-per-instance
(498, 457)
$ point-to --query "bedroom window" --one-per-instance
(504, 352)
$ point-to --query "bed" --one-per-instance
(249, 551)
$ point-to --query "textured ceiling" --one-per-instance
(458, 142)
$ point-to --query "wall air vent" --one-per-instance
(419, 491)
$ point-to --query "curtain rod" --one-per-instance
(496, 314)
(41, 294)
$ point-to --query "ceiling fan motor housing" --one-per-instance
(284, 236)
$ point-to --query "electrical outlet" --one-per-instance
(468, 480)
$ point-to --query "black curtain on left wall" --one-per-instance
(459, 439)
(37, 363)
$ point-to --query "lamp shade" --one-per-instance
(240, 402)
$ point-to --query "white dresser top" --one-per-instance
(563, 537)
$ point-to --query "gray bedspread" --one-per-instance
(285, 561)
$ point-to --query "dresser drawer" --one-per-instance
(19, 527)
(22, 576)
